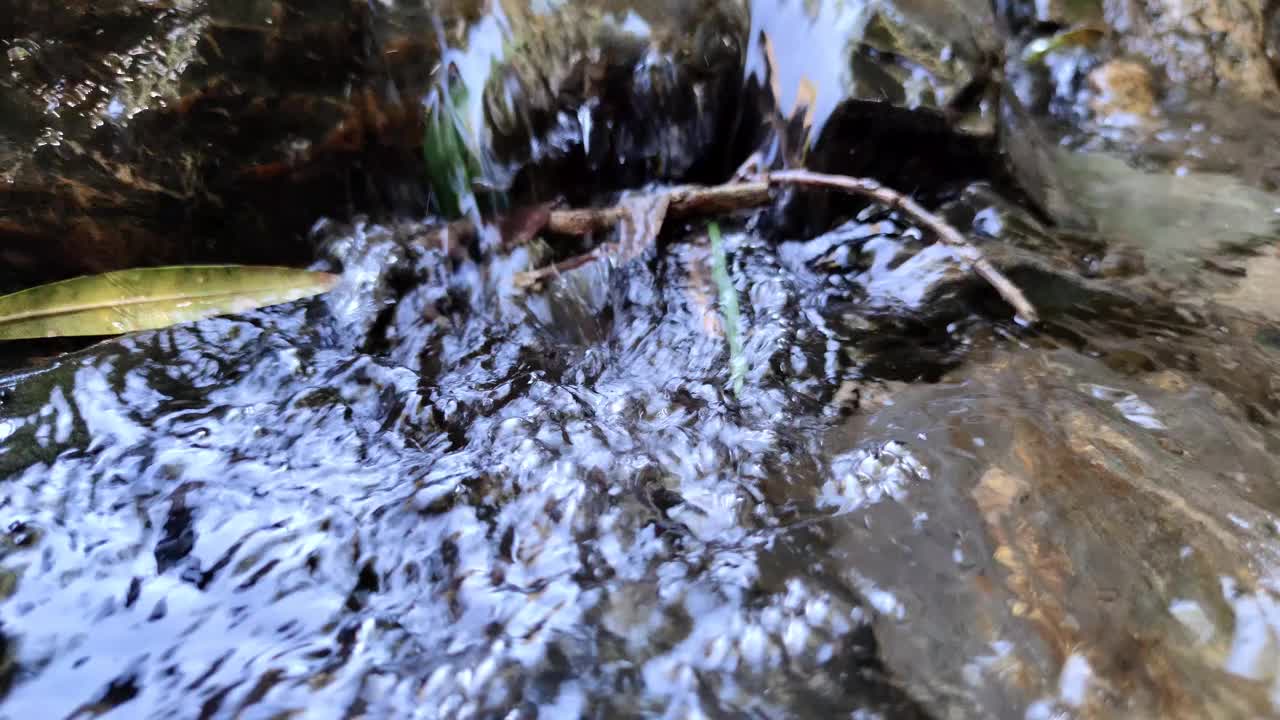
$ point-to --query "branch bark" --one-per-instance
(687, 201)
(945, 232)
(693, 201)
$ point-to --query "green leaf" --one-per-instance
(150, 298)
(1037, 50)
(451, 165)
(728, 307)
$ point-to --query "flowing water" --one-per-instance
(429, 494)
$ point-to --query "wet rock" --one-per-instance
(593, 96)
(207, 133)
(204, 132)
(156, 134)
(918, 102)
(1121, 261)
(939, 56)
(1122, 93)
(1030, 160)
(1273, 38)
(1255, 291)
(1201, 57)
(922, 101)
(917, 97)
(1172, 216)
(1200, 48)
(1100, 545)
(1204, 45)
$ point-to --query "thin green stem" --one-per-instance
(728, 309)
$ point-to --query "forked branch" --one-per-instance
(692, 201)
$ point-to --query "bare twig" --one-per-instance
(642, 217)
(530, 279)
(584, 222)
(941, 228)
(683, 202)
(752, 167)
(691, 201)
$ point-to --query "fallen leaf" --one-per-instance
(150, 298)
(1036, 50)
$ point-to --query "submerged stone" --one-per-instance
(222, 132)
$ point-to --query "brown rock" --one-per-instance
(1122, 261)
(1082, 543)
(1256, 292)
(1122, 93)
(1203, 45)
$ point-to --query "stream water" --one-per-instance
(429, 494)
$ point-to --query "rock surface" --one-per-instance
(1107, 552)
(1201, 45)
(222, 131)
(426, 494)
(1123, 93)
(163, 132)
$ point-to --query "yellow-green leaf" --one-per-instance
(1037, 49)
(150, 298)
(729, 308)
